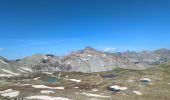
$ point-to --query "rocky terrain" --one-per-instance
(146, 58)
(87, 74)
(86, 60)
(118, 84)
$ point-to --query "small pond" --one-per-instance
(51, 79)
(145, 81)
(109, 76)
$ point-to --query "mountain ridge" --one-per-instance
(86, 60)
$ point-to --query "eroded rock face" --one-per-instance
(91, 60)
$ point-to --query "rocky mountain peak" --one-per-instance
(89, 49)
(85, 51)
(163, 51)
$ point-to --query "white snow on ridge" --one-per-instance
(7, 71)
(94, 95)
(8, 90)
(3, 62)
(26, 69)
(21, 70)
(47, 87)
(43, 97)
(5, 75)
(9, 93)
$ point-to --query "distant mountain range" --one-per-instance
(86, 60)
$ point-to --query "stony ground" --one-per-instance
(81, 86)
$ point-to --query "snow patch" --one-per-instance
(47, 87)
(25, 84)
(43, 97)
(3, 62)
(26, 69)
(89, 55)
(21, 70)
(76, 87)
(40, 86)
(116, 87)
(7, 71)
(95, 90)
(9, 93)
(36, 78)
(45, 58)
(75, 80)
(85, 59)
(46, 91)
(59, 88)
(5, 75)
(69, 62)
(137, 92)
(8, 90)
(94, 95)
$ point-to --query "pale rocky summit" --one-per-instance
(91, 60)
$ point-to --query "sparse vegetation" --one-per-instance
(157, 89)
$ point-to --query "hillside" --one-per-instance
(92, 86)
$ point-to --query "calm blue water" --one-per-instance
(52, 79)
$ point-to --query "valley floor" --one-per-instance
(83, 86)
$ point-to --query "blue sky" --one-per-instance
(60, 26)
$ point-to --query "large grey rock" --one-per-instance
(91, 60)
